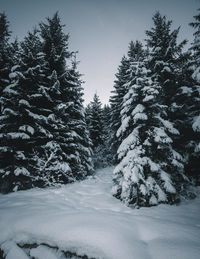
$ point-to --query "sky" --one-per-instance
(100, 30)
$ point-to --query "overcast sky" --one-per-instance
(100, 30)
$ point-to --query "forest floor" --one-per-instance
(83, 220)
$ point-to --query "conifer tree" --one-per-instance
(107, 151)
(121, 86)
(5, 57)
(22, 117)
(96, 124)
(196, 47)
(185, 107)
(164, 56)
(116, 100)
(188, 106)
(94, 117)
(150, 170)
(71, 135)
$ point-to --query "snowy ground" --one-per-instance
(84, 218)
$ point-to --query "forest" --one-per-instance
(97, 181)
(150, 131)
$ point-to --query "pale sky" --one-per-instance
(100, 30)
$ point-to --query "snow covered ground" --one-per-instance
(85, 219)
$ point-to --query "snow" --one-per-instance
(161, 136)
(131, 140)
(124, 126)
(42, 252)
(13, 251)
(21, 170)
(83, 217)
(196, 75)
(196, 124)
(166, 69)
(27, 128)
(15, 135)
(138, 109)
(186, 90)
(24, 102)
(36, 116)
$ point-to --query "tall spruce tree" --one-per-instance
(5, 53)
(188, 99)
(150, 170)
(71, 137)
(95, 126)
(121, 86)
(116, 101)
(23, 117)
(164, 55)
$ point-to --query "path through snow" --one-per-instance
(84, 218)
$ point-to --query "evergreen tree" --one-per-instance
(94, 115)
(21, 117)
(150, 170)
(96, 124)
(107, 158)
(43, 130)
(185, 107)
(121, 86)
(71, 135)
(196, 48)
(189, 103)
(164, 56)
(5, 57)
(116, 100)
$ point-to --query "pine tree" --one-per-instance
(185, 107)
(94, 118)
(189, 102)
(96, 125)
(164, 55)
(5, 57)
(71, 136)
(150, 170)
(121, 86)
(196, 48)
(116, 100)
(25, 110)
(107, 151)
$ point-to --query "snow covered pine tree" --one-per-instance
(5, 58)
(70, 149)
(43, 123)
(19, 117)
(151, 171)
(121, 86)
(189, 96)
(146, 174)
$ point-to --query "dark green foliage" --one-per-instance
(164, 55)
(43, 129)
(5, 53)
(98, 121)
(24, 115)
